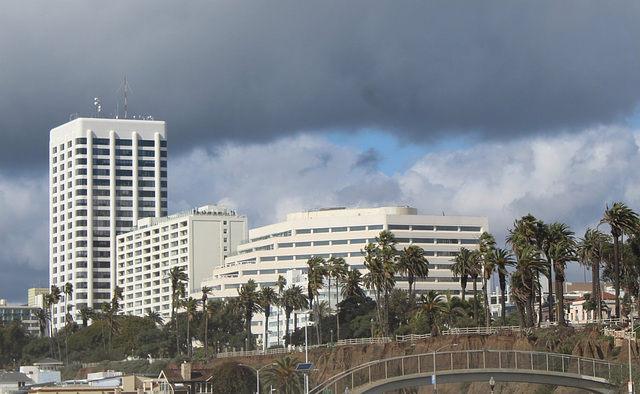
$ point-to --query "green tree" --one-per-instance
(248, 297)
(461, 267)
(191, 308)
(43, 317)
(86, 313)
(621, 219)
(292, 299)
(230, 377)
(413, 264)
(266, 298)
(502, 259)
(337, 268)
(155, 318)
(280, 284)
(178, 279)
(352, 286)
(380, 260)
(284, 377)
(590, 254)
(206, 291)
(432, 306)
(316, 272)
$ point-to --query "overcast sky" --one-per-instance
(483, 108)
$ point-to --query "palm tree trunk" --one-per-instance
(503, 301)
(206, 334)
(560, 295)
(550, 295)
(595, 279)
(616, 268)
(286, 326)
(475, 300)
(487, 312)
(266, 326)
(188, 338)
(337, 311)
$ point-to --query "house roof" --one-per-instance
(15, 377)
(174, 374)
(48, 361)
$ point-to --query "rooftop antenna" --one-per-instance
(125, 97)
(96, 102)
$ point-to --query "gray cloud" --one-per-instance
(256, 71)
(369, 160)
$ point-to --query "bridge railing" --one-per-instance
(427, 363)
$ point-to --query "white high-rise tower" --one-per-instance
(105, 174)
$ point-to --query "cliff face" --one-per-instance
(338, 359)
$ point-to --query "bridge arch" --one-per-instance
(597, 376)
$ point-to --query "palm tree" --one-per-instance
(54, 298)
(529, 264)
(432, 305)
(155, 318)
(316, 271)
(284, 377)
(68, 291)
(178, 279)
(621, 219)
(450, 308)
(501, 259)
(206, 290)
(486, 244)
(590, 255)
(461, 267)
(249, 300)
(292, 299)
(352, 284)
(337, 269)
(43, 317)
(413, 264)
(191, 308)
(280, 284)
(86, 313)
(380, 260)
(266, 297)
(562, 253)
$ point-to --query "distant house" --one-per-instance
(46, 370)
(579, 315)
(14, 382)
(187, 380)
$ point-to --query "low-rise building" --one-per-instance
(25, 314)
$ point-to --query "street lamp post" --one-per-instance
(492, 383)
(435, 381)
(306, 351)
(258, 374)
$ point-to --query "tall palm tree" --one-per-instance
(86, 313)
(43, 317)
(68, 291)
(502, 259)
(380, 260)
(413, 264)
(206, 291)
(280, 284)
(621, 219)
(474, 272)
(54, 298)
(590, 255)
(562, 253)
(551, 236)
(316, 272)
(178, 279)
(352, 286)
(248, 297)
(284, 377)
(337, 268)
(486, 245)
(266, 297)
(461, 267)
(191, 308)
(529, 264)
(292, 299)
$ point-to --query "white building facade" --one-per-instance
(197, 241)
(105, 174)
(276, 249)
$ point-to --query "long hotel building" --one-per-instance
(195, 241)
(276, 249)
(105, 174)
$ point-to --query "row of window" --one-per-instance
(118, 142)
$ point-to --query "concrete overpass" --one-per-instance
(597, 376)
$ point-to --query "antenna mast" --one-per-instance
(125, 97)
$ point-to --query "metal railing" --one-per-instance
(362, 341)
(427, 363)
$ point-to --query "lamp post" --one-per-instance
(435, 382)
(257, 374)
(630, 384)
(306, 351)
(372, 329)
(492, 383)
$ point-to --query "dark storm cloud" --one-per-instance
(369, 160)
(249, 71)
